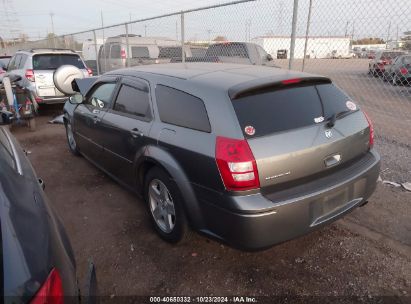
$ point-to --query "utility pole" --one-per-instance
(209, 36)
(104, 48)
(353, 29)
(52, 29)
(346, 29)
(145, 30)
(131, 26)
(388, 32)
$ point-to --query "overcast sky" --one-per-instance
(329, 17)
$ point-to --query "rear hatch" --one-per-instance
(44, 66)
(287, 130)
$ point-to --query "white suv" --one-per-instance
(36, 68)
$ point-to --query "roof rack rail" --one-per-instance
(52, 49)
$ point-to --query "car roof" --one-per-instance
(216, 75)
(47, 51)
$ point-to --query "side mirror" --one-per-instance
(6, 117)
(64, 76)
(269, 57)
(76, 99)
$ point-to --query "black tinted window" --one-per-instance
(115, 51)
(22, 61)
(279, 110)
(139, 52)
(54, 61)
(333, 99)
(133, 101)
(181, 109)
(169, 52)
(228, 50)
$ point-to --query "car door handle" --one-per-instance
(136, 133)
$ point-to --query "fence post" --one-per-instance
(127, 47)
(307, 31)
(293, 32)
(95, 47)
(183, 55)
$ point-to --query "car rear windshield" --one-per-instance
(289, 108)
(170, 52)
(228, 50)
(54, 61)
(140, 52)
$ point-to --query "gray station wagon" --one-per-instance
(252, 156)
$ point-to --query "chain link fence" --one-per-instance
(363, 46)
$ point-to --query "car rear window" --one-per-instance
(169, 52)
(181, 109)
(54, 61)
(289, 108)
(228, 50)
(140, 52)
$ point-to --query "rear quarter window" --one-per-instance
(181, 109)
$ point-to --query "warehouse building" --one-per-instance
(317, 47)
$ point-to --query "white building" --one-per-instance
(317, 47)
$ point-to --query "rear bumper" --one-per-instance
(266, 220)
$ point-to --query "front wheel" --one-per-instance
(71, 140)
(165, 205)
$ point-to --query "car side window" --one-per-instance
(182, 109)
(133, 101)
(22, 61)
(14, 62)
(6, 153)
(101, 96)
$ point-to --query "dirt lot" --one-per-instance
(366, 254)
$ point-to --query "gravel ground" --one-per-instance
(366, 255)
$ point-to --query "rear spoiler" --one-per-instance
(263, 85)
(83, 85)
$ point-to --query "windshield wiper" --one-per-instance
(332, 119)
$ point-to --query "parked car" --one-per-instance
(250, 155)
(89, 53)
(38, 264)
(37, 66)
(141, 51)
(399, 72)
(234, 52)
(282, 54)
(377, 65)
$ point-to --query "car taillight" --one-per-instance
(123, 54)
(30, 75)
(51, 292)
(90, 72)
(291, 81)
(403, 71)
(371, 140)
(236, 163)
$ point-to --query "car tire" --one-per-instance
(70, 139)
(165, 206)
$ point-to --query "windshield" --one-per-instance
(54, 61)
(228, 50)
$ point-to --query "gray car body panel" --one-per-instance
(240, 218)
